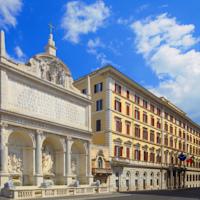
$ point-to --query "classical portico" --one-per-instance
(45, 122)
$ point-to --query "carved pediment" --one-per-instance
(52, 69)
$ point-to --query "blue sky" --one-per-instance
(156, 43)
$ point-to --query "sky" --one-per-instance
(156, 43)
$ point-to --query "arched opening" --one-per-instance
(79, 162)
(20, 158)
(53, 160)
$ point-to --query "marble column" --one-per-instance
(89, 164)
(69, 143)
(38, 158)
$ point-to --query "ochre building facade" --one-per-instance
(144, 134)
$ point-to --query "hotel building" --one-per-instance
(144, 134)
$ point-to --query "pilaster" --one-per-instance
(109, 114)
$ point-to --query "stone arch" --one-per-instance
(53, 159)
(21, 157)
(79, 161)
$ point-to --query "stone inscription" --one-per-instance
(33, 101)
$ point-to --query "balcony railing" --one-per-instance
(101, 171)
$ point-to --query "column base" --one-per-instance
(90, 179)
(68, 179)
(4, 178)
(38, 179)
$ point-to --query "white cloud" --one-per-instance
(9, 9)
(80, 19)
(94, 44)
(19, 52)
(169, 49)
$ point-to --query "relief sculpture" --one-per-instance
(14, 163)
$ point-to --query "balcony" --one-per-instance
(124, 162)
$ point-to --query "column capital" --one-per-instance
(4, 125)
(39, 131)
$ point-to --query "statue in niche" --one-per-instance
(47, 162)
(61, 77)
(14, 164)
(74, 167)
(43, 69)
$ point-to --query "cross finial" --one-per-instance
(51, 27)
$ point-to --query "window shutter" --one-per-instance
(138, 155)
(115, 105)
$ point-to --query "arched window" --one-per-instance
(100, 162)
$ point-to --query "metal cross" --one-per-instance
(51, 27)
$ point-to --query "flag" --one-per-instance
(182, 157)
(190, 160)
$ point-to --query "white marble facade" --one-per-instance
(45, 122)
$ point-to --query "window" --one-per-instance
(84, 91)
(158, 158)
(145, 117)
(118, 106)
(127, 109)
(171, 142)
(145, 134)
(99, 105)
(98, 125)
(98, 87)
(128, 127)
(118, 151)
(152, 157)
(137, 154)
(100, 162)
(171, 118)
(152, 121)
(152, 108)
(166, 115)
(145, 104)
(166, 127)
(158, 139)
(137, 99)
(152, 136)
(158, 123)
(137, 131)
(118, 125)
(166, 141)
(158, 111)
(127, 152)
(137, 114)
(145, 156)
(171, 129)
(127, 94)
(118, 88)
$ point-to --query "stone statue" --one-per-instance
(74, 167)
(14, 164)
(61, 77)
(47, 162)
(43, 69)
